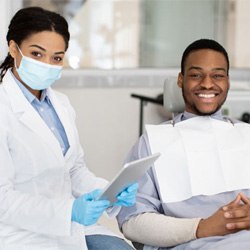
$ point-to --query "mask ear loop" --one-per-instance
(20, 53)
(15, 63)
(19, 49)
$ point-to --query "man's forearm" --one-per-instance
(160, 230)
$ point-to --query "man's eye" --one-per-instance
(218, 76)
(196, 76)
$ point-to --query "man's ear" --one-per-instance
(13, 49)
(180, 80)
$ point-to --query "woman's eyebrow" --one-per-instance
(43, 49)
(37, 46)
(59, 52)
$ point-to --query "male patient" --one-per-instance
(196, 196)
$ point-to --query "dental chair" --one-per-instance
(172, 96)
(173, 102)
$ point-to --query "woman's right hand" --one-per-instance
(86, 210)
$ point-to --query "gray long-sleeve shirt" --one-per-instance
(148, 201)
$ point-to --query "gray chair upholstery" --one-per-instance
(172, 96)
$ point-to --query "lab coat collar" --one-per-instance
(28, 115)
(18, 101)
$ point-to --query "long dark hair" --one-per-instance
(31, 20)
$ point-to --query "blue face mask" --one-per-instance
(37, 75)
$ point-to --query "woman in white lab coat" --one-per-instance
(47, 194)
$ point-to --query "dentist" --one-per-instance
(47, 194)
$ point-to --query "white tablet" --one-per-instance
(128, 175)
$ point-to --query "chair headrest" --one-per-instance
(172, 96)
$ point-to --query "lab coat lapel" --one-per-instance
(28, 115)
(63, 115)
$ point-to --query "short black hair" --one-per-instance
(203, 44)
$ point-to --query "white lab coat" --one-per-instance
(37, 182)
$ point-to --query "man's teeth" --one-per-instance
(206, 95)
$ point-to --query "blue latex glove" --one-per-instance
(86, 210)
(127, 197)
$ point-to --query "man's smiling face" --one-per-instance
(205, 82)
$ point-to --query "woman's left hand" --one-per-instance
(127, 197)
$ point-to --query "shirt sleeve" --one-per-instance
(160, 230)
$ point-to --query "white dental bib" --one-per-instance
(200, 156)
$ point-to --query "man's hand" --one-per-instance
(230, 218)
(239, 216)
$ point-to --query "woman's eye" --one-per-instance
(36, 54)
(58, 59)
